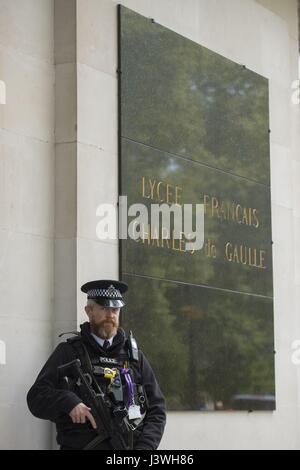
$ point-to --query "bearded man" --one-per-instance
(115, 370)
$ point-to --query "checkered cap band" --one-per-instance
(110, 293)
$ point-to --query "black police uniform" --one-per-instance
(47, 400)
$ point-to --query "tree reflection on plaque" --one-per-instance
(194, 127)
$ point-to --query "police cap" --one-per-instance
(106, 293)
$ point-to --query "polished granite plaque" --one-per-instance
(210, 349)
(194, 129)
(237, 254)
(185, 99)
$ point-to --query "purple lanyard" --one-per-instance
(130, 389)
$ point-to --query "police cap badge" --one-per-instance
(106, 293)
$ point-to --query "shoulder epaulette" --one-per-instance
(76, 333)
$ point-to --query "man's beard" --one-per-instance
(105, 329)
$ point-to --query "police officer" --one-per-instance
(101, 345)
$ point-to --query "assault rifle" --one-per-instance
(110, 420)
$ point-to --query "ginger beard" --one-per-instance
(106, 326)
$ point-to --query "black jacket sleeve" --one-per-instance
(155, 420)
(45, 399)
